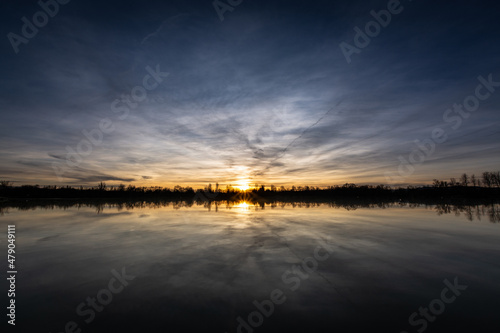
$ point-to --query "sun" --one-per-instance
(242, 187)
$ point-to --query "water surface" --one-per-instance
(200, 268)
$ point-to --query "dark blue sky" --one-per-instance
(264, 96)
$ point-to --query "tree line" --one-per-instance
(487, 179)
(465, 188)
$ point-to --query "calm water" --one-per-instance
(191, 269)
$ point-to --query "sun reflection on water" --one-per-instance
(243, 205)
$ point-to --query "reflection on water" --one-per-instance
(471, 212)
(492, 212)
(205, 267)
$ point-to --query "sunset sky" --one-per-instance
(265, 96)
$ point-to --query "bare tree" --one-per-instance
(5, 183)
(487, 179)
(464, 179)
(453, 182)
(473, 180)
(495, 178)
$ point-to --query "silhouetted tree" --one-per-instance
(5, 183)
(473, 180)
(464, 179)
(487, 179)
(495, 178)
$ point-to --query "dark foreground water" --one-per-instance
(248, 269)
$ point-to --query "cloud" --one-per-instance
(266, 97)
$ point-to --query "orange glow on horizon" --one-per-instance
(242, 187)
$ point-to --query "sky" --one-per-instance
(248, 92)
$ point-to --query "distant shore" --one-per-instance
(349, 193)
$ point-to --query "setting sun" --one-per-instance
(242, 187)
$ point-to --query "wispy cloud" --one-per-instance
(266, 96)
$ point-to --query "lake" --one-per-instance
(256, 268)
